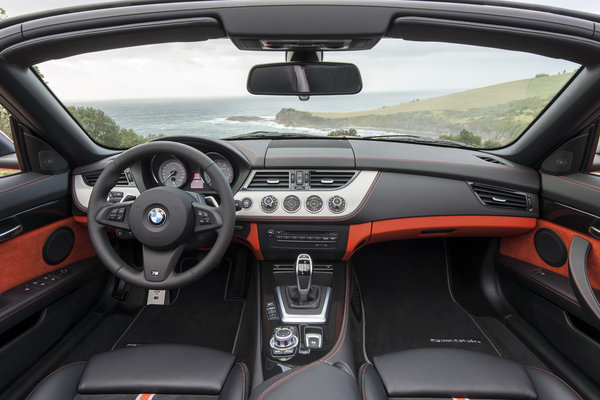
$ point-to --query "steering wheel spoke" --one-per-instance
(115, 215)
(206, 218)
(158, 264)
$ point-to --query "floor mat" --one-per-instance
(200, 316)
(407, 303)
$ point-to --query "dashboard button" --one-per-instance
(269, 203)
(337, 204)
(291, 203)
(314, 203)
(246, 203)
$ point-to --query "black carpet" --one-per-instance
(407, 302)
(200, 316)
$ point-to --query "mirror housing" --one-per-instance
(304, 79)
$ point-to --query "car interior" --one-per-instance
(264, 265)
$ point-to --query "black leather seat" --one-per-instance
(167, 371)
(318, 380)
(454, 373)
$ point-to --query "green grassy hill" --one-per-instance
(498, 112)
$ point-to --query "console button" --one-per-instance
(291, 203)
(314, 203)
(269, 203)
(246, 203)
(337, 204)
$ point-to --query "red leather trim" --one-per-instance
(251, 241)
(448, 226)
(80, 220)
(358, 236)
(522, 248)
(22, 255)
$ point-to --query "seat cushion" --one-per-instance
(165, 368)
(318, 380)
(443, 373)
(459, 373)
(153, 369)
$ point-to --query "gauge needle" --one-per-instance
(173, 173)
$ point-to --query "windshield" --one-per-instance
(440, 93)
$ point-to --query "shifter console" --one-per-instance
(303, 302)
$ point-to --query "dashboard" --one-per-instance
(333, 195)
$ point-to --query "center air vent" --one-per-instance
(90, 178)
(329, 179)
(270, 180)
(501, 198)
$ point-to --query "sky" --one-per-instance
(217, 69)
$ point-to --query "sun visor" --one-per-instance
(65, 44)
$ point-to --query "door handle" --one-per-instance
(578, 255)
(11, 232)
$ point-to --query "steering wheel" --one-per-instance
(163, 219)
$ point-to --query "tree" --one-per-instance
(104, 130)
(343, 132)
(466, 137)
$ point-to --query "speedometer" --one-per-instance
(223, 164)
(172, 173)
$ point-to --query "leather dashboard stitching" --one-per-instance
(449, 163)
(578, 183)
(26, 184)
(556, 377)
(52, 373)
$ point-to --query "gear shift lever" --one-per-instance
(304, 267)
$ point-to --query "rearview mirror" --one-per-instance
(304, 79)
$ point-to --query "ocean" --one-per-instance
(208, 116)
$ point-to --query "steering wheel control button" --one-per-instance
(116, 214)
(291, 203)
(314, 204)
(203, 218)
(269, 203)
(157, 216)
(337, 204)
(246, 203)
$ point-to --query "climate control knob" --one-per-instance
(314, 203)
(291, 203)
(269, 203)
(337, 204)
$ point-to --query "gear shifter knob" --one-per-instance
(304, 267)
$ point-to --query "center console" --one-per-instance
(302, 305)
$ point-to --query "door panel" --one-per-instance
(23, 256)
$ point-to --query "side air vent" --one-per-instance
(270, 180)
(90, 178)
(329, 179)
(491, 160)
(501, 198)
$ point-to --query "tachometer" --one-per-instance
(172, 172)
(223, 164)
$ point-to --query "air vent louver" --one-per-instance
(491, 160)
(501, 198)
(91, 178)
(270, 180)
(329, 179)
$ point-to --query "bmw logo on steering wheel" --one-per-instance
(157, 216)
